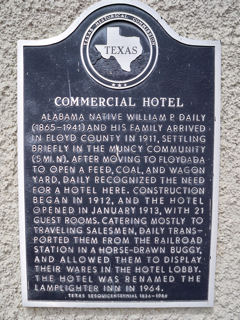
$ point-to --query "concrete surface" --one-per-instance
(200, 19)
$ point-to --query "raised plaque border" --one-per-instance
(216, 164)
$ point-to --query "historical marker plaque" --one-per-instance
(118, 163)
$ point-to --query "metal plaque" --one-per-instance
(118, 163)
